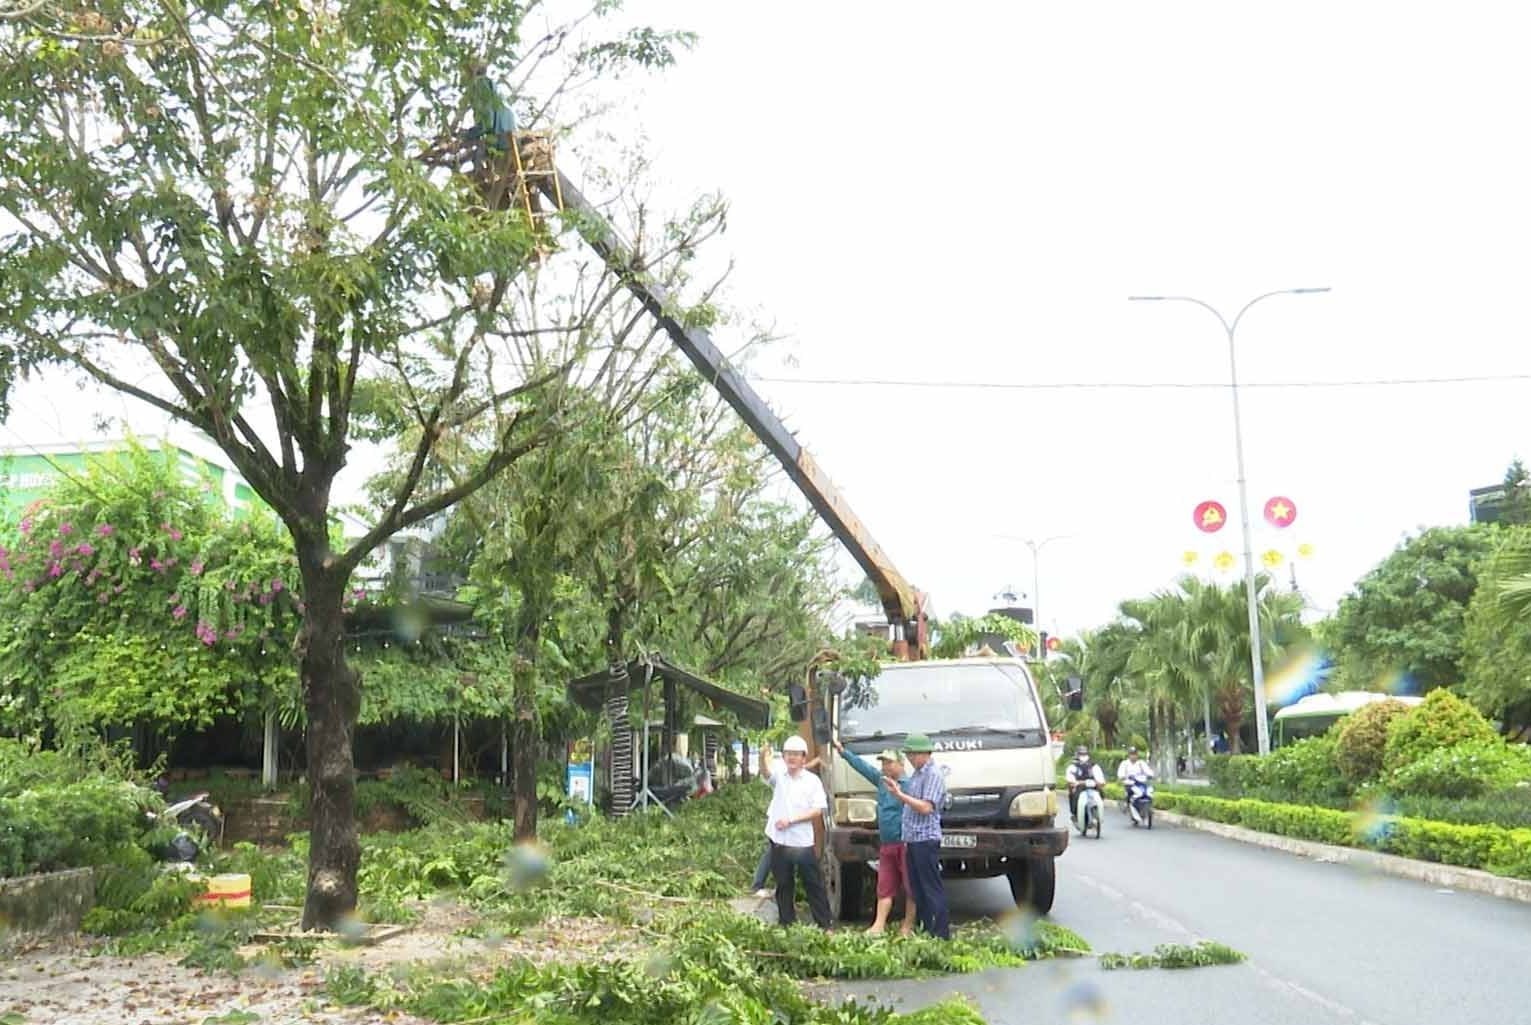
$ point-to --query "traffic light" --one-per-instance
(1053, 644)
(1044, 644)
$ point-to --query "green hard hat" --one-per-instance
(918, 743)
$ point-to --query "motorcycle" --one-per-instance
(1140, 800)
(1089, 808)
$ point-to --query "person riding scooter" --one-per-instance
(1081, 769)
(1133, 767)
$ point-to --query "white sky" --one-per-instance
(972, 196)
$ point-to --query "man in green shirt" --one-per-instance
(892, 869)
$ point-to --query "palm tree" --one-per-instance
(1194, 647)
(1099, 658)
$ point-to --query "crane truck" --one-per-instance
(983, 715)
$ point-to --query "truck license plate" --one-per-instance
(959, 840)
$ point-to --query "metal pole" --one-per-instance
(1256, 661)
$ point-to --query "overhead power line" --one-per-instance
(1376, 382)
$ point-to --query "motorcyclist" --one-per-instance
(1133, 765)
(1082, 768)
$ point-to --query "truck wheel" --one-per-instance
(1033, 884)
(852, 890)
(831, 871)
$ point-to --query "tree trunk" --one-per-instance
(332, 695)
(1206, 715)
(524, 749)
(1106, 715)
(1231, 706)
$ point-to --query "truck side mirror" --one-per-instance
(822, 734)
(1073, 694)
(797, 702)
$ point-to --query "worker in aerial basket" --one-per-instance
(494, 121)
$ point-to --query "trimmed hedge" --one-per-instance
(1495, 849)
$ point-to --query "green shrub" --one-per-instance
(1441, 720)
(1361, 739)
(1493, 848)
(72, 825)
(1510, 808)
(1304, 771)
(1469, 769)
(1233, 774)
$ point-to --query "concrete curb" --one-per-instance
(1471, 880)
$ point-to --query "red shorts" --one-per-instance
(892, 871)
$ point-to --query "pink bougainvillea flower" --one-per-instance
(156, 565)
(196, 568)
(135, 557)
(55, 549)
(55, 569)
(106, 530)
(66, 528)
(179, 612)
(26, 525)
(207, 634)
(276, 585)
(85, 548)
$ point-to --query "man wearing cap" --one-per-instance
(797, 798)
(923, 798)
(892, 866)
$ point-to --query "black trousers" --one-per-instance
(784, 862)
(924, 858)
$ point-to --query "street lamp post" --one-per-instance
(1036, 578)
(1230, 327)
(1036, 574)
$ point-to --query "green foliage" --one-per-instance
(1305, 770)
(1175, 955)
(1442, 720)
(1234, 774)
(1497, 643)
(955, 637)
(137, 598)
(1511, 808)
(715, 966)
(69, 825)
(1362, 740)
(1406, 615)
(1469, 769)
(1495, 849)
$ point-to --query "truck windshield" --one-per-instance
(940, 698)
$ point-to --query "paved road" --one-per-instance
(1327, 943)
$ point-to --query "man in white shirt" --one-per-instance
(797, 798)
(1131, 766)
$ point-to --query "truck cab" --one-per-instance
(985, 720)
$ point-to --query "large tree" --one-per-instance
(1497, 634)
(1406, 615)
(218, 209)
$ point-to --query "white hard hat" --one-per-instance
(795, 743)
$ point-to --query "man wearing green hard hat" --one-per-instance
(923, 796)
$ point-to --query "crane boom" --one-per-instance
(902, 603)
